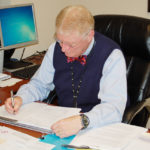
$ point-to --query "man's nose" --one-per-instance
(64, 47)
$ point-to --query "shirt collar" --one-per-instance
(89, 48)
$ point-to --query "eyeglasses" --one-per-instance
(72, 46)
(69, 45)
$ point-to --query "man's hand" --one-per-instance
(67, 127)
(17, 104)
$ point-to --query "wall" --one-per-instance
(130, 7)
(46, 11)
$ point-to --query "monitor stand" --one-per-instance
(1, 60)
(11, 64)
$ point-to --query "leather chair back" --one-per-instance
(133, 35)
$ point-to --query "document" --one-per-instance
(112, 137)
(4, 76)
(9, 82)
(11, 139)
(140, 143)
(37, 116)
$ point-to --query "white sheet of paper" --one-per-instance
(11, 139)
(40, 114)
(140, 143)
(9, 82)
(111, 137)
(4, 76)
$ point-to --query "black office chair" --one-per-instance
(52, 98)
(133, 35)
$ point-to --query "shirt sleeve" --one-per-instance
(113, 92)
(41, 83)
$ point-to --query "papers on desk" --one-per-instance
(11, 139)
(40, 116)
(9, 82)
(113, 137)
(140, 143)
(4, 76)
(37, 116)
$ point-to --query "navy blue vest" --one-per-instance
(88, 93)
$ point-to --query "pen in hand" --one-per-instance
(12, 98)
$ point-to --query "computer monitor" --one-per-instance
(17, 27)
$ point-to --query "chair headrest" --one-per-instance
(130, 32)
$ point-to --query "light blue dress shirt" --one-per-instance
(113, 85)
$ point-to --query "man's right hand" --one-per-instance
(17, 104)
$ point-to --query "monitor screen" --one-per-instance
(17, 26)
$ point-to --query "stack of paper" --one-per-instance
(112, 137)
(11, 139)
(140, 143)
(9, 82)
(37, 116)
(4, 76)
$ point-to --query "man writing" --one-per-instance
(87, 70)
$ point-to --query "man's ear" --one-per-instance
(90, 35)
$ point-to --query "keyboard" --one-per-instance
(25, 73)
(16, 64)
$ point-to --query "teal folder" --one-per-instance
(57, 141)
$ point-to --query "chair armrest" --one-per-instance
(52, 97)
(132, 111)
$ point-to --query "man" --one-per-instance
(87, 70)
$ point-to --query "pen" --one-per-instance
(78, 147)
(12, 98)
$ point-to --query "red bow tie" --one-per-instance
(81, 59)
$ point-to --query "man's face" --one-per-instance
(73, 45)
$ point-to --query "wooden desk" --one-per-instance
(5, 91)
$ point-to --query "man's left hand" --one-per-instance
(67, 127)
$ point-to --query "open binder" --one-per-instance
(37, 116)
